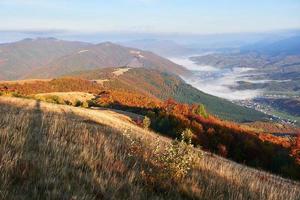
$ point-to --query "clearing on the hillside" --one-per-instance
(67, 96)
(25, 81)
(120, 71)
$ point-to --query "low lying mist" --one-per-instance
(216, 81)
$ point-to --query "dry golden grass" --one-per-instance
(28, 81)
(66, 96)
(60, 152)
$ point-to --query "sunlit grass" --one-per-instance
(60, 152)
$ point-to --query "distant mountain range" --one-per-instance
(288, 46)
(49, 57)
(166, 48)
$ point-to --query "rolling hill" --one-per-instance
(19, 59)
(49, 57)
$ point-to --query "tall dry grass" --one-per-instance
(59, 152)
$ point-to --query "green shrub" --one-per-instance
(67, 102)
(168, 164)
(85, 104)
(55, 99)
(92, 103)
(187, 135)
(175, 161)
(201, 111)
(16, 94)
(52, 99)
(78, 103)
(146, 122)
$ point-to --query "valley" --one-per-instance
(267, 84)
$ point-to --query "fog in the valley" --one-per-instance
(217, 82)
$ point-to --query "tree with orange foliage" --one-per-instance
(298, 141)
(296, 149)
(169, 105)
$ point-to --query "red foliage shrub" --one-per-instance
(222, 150)
(210, 131)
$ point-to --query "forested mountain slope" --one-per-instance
(164, 86)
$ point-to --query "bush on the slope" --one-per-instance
(175, 161)
(168, 164)
(201, 111)
(146, 122)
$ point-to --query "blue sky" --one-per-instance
(158, 16)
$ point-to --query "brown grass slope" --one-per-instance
(49, 58)
(108, 54)
(26, 87)
(60, 152)
(20, 58)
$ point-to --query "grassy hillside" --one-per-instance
(61, 152)
(240, 143)
(164, 86)
(44, 86)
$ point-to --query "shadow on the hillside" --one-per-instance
(35, 137)
(36, 175)
(57, 163)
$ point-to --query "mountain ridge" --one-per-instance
(45, 58)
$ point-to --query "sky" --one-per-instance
(153, 16)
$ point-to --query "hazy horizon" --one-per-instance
(7, 36)
(150, 16)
